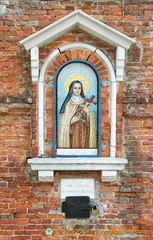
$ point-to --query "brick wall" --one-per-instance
(27, 207)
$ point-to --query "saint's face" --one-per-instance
(77, 89)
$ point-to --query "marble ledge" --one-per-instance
(109, 166)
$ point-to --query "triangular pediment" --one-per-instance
(83, 21)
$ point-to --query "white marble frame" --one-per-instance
(109, 166)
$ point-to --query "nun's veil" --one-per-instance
(69, 95)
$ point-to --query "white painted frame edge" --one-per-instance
(40, 104)
(83, 21)
(35, 63)
(108, 166)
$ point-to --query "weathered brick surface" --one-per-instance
(27, 207)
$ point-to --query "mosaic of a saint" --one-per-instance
(77, 125)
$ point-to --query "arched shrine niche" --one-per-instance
(95, 82)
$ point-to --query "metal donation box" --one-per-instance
(76, 207)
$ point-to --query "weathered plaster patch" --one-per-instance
(2, 9)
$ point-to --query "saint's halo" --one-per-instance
(74, 77)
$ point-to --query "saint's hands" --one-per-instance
(75, 118)
(82, 114)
